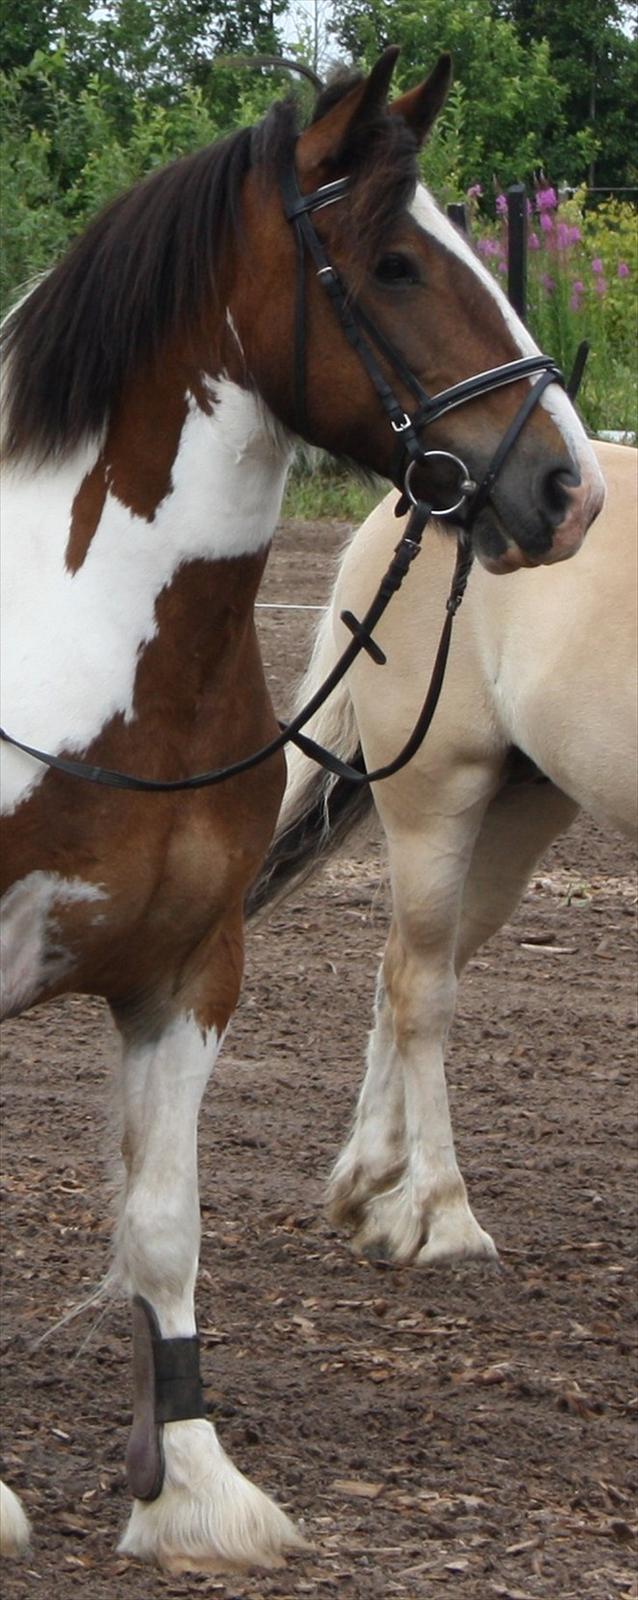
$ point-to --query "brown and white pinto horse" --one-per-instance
(537, 718)
(151, 394)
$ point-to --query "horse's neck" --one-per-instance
(92, 546)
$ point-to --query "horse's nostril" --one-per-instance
(556, 487)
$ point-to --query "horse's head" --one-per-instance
(345, 195)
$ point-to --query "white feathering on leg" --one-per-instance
(209, 1517)
(15, 1529)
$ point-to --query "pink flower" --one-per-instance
(576, 297)
(502, 266)
(488, 247)
(601, 286)
(501, 205)
(474, 191)
(575, 234)
(597, 265)
(548, 283)
(546, 199)
(546, 222)
(563, 235)
(623, 270)
(534, 241)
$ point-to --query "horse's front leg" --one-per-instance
(398, 1181)
(193, 1508)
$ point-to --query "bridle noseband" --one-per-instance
(364, 337)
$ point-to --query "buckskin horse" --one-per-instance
(279, 283)
(537, 719)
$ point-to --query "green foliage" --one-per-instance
(87, 148)
(507, 96)
(93, 98)
(324, 490)
(540, 80)
(595, 55)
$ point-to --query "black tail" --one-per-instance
(303, 840)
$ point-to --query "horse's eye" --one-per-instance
(396, 269)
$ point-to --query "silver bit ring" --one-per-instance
(467, 485)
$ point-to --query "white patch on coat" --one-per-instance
(32, 956)
(71, 640)
(433, 221)
(157, 1245)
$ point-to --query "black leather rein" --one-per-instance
(362, 335)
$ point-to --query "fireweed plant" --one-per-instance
(582, 284)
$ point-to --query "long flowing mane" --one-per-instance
(148, 266)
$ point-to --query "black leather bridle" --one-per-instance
(363, 335)
(365, 339)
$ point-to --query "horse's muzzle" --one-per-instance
(548, 527)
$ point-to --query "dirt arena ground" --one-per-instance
(469, 1432)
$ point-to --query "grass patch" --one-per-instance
(328, 491)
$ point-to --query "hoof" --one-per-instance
(449, 1242)
(208, 1518)
(379, 1252)
(395, 1231)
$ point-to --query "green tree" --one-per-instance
(140, 38)
(594, 52)
(32, 25)
(508, 100)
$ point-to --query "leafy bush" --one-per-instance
(67, 150)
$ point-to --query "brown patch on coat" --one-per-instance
(174, 867)
(86, 512)
(136, 462)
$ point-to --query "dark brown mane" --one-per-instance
(148, 265)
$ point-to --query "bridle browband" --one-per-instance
(363, 336)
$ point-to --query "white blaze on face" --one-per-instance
(592, 491)
(71, 641)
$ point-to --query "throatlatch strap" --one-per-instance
(166, 1388)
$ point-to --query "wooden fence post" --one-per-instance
(457, 213)
(517, 248)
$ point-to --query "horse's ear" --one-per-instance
(327, 140)
(420, 107)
